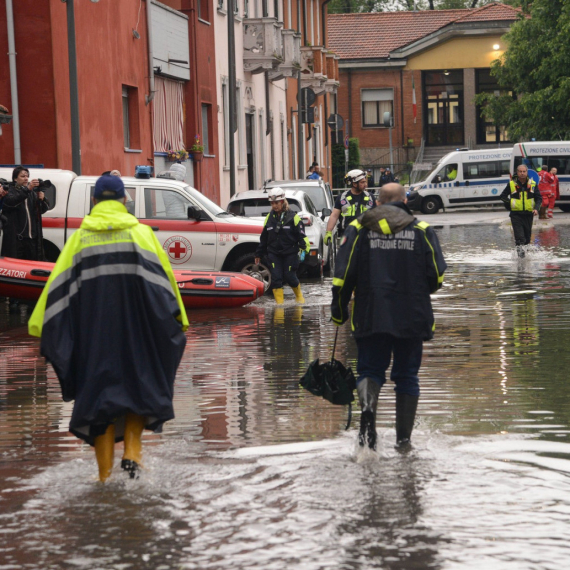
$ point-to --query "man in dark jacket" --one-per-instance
(522, 198)
(23, 207)
(386, 177)
(282, 237)
(111, 321)
(393, 262)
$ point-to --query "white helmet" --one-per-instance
(276, 194)
(355, 175)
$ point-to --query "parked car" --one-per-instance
(462, 178)
(194, 232)
(254, 204)
(321, 195)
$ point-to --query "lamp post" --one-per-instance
(73, 92)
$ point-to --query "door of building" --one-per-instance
(443, 104)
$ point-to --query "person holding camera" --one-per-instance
(23, 206)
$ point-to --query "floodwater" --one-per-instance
(256, 473)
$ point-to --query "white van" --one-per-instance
(463, 178)
(535, 154)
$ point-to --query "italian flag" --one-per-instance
(414, 104)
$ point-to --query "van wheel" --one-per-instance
(564, 207)
(246, 264)
(430, 205)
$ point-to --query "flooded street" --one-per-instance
(254, 472)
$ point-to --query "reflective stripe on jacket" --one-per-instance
(350, 211)
(111, 320)
(392, 262)
(524, 199)
(282, 234)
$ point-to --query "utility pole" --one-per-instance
(232, 94)
(73, 91)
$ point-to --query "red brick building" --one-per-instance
(445, 54)
(118, 84)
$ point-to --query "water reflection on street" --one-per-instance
(255, 473)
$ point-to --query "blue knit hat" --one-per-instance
(109, 188)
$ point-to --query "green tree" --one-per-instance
(536, 66)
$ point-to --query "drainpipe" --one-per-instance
(300, 141)
(349, 101)
(13, 82)
(323, 38)
(148, 98)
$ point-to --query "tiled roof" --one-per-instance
(376, 34)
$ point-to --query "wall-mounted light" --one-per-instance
(136, 35)
(496, 46)
(446, 72)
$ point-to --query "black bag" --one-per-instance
(332, 381)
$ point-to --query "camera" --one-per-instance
(43, 185)
(4, 184)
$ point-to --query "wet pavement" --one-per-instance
(256, 473)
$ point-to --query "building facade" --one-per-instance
(273, 45)
(423, 69)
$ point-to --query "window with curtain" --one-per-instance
(168, 115)
(376, 102)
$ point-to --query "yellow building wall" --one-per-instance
(459, 53)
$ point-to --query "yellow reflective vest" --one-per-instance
(525, 201)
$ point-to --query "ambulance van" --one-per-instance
(463, 178)
(557, 154)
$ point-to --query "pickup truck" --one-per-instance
(194, 232)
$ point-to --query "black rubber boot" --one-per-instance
(406, 407)
(368, 391)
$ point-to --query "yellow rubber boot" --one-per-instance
(297, 315)
(134, 426)
(299, 295)
(104, 450)
(278, 294)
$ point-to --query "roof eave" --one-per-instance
(453, 30)
(372, 63)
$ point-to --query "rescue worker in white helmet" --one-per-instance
(351, 204)
(282, 237)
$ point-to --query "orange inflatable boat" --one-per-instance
(20, 279)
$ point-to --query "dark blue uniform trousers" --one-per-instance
(375, 353)
(283, 269)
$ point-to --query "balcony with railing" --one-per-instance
(332, 83)
(313, 68)
(262, 44)
(291, 56)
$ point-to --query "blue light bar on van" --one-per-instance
(143, 171)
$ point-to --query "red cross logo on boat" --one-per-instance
(178, 248)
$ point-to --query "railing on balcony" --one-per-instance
(262, 44)
(313, 68)
(291, 55)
